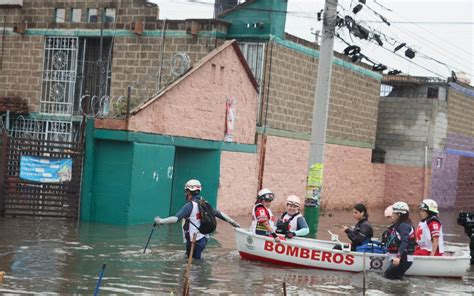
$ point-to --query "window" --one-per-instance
(253, 53)
(76, 14)
(439, 163)
(92, 16)
(109, 15)
(385, 90)
(59, 15)
(432, 93)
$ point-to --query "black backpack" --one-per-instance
(208, 219)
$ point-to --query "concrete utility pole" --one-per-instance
(314, 185)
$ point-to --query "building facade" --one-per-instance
(424, 136)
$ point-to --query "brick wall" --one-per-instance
(136, 62)
(461, 113)
(41, 14)
(465, 184)
(22, 65)
(290, 85)
(195, 106)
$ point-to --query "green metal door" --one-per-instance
(151, 182)
(200, 164)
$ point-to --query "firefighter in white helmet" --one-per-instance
(291, 222)
(263, 221)
(429, 233)
(190, 212)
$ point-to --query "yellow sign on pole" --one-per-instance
(314, 185)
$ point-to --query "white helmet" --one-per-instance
(293, 200)
(265, 194)
(193, 185)
(400, 207)
(388, 211)
(429, 205)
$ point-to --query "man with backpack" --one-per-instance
(200, 218)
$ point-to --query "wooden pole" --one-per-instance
(363, 277)
(284, 288)
(188, 267)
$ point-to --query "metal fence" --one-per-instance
(21, 197)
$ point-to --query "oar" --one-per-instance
(149, 237)
(101, 274)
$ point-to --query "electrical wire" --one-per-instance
(432, 33)
(463, 63)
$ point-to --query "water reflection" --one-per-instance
(57, 256)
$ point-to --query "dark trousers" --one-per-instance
(198, 248)
(397, 272)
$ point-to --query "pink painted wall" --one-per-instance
(285, 170)
(237, 183)
(350, 177)
(196, 106)
(405, 183)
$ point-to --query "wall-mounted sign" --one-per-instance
(45, 170)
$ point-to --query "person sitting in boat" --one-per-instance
(400, 242)
(362, 231)
(387, 214)
(429, 233)
(262, 217)
(291, 222)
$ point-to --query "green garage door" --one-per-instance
(200, 164)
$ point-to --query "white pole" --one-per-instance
(320, 114)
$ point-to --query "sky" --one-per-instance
(440, 32)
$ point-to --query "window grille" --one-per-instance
(59, 75)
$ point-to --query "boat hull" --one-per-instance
(313, 253)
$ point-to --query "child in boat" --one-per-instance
(262, 217)
(291, 222)
(362, 231)
(429, 233)
(400, 242)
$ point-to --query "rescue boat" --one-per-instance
(314, 253)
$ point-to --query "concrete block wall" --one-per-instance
(290, 85)
(405, 126)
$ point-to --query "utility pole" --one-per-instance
(314, 183)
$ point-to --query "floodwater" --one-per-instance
(50, 256)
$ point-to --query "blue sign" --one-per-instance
(45, 170)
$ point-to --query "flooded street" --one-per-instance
(57, 256)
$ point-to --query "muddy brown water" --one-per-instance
(43, 256)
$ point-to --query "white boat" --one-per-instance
(314, 253)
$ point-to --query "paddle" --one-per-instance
(101, 274)
(149, 237)
(335, 238)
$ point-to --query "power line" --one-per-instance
(432, 33)
(426, 22)
(418, 37)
